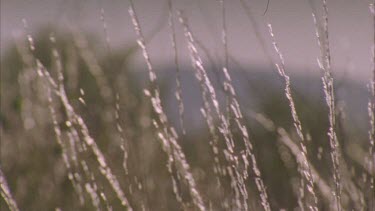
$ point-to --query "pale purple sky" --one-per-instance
(350, 25)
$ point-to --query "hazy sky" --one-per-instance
(350, 26)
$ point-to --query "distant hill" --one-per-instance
(256, 85)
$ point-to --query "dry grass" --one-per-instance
(80, 132)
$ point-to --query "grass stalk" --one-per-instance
(166, 134)
(328, 88)
(306, 171)
(6, 194)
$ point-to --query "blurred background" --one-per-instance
(350, 29)
(105, 75)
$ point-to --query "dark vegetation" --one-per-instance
(120, 118)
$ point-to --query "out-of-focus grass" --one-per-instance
(32, 160)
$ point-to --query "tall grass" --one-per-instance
(305, 167)
(371, 113)
(167, 134)
(328, 87)
(115, 144)
(6, 194)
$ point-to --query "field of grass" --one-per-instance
(80, 131)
